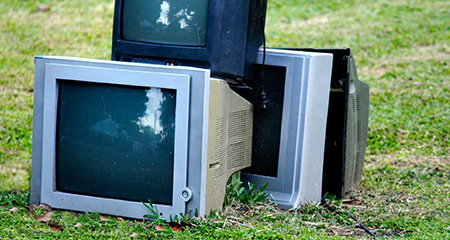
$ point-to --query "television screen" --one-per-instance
(289, 134)
(108, 136)
(98, 142)
(223, 36)
(180, 22)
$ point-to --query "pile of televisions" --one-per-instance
(191, 97)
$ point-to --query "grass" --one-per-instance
(401, 49)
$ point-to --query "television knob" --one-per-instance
(186, 194)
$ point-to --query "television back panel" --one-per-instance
(289, 134)
(229, 140)
(161, 113)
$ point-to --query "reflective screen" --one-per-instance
(174, 22)
(115, 141)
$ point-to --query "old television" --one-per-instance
(223, 36)
(108, 136)
(289, 134)
(347, 125)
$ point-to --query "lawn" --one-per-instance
(401, 49)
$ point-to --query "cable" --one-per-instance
(333, 209)
(262, 97)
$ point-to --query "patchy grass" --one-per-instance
(407, 192)
(401, 49)
(403, 197)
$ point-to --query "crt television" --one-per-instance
(347, 126)
(289, 134)
(108, 136)
(223, 36)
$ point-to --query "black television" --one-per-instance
(223, 36)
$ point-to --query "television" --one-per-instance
(223, 36)
(289, 133)
(108, 136)
(347, 125)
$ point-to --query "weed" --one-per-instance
(158, 220)
(154, 216)
(236, 190)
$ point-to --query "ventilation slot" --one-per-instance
(232, 153)
(221, 139)
(236, 155)
(237, 124)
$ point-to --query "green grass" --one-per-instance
(401, 49)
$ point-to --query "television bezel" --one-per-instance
(302, 139)
(194, 82)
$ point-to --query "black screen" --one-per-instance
(115, 141)
(181, 22)
(267, 121)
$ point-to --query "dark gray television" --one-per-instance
(223, 36)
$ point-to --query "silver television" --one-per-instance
(108, 136)
(289, 133)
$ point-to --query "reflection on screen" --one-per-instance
(181, 22)
(115, 141)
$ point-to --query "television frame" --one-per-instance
(231, 47)
(304, 114)
(56, 73)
